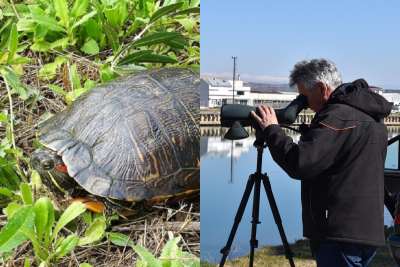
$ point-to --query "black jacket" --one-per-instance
(340, 163)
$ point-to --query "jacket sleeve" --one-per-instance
(319, 150)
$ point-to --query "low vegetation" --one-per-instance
(275, 256)
(50, 53)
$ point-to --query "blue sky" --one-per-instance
(361, 37)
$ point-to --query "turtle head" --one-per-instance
(52, 170)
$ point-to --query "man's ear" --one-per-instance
(323, 88)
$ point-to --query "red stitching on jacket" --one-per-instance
(337, 129)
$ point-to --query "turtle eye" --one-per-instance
(47, 164)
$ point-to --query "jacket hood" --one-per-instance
(358, 95)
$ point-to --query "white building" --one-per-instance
(216, 92)
(377, 90)
(394, 100)
(272, 99)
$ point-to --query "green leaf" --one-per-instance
(40, 46)
(48, 22)
(170, 246)
(157, 59)
(112, 38)
(73, 211)
(11, 209)
(58, 242)
(26, 194)
(132, 58)
(68, 245)
(85, 265)
(74, 77)
(87, 217)
(156, 38)
(35, 177)
(84, 19)
(13, 43)
(44, 219)
(90, 84)
(10, 237)
(126, 69)
(93, 233)
(63, 42)
(26, 24)
(11, 77)
(113, 13)
(29, 233)
(120, 239)
(90, 47)
(21, 60)
(61, 7)
(147, 257)
(40, 32)
(73, 95)
(49, 70)
(106, 74)
(2, 53)
(57, 89)
(177, 43)
(12, 177)
(79, 8)
(5, 33)
(190, 263)
(5, 182)
(93, 29)
(164, 11)
(188, 24)
(194, 3)
(187, 11)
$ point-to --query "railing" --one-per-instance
(213, 119)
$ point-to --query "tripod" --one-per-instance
(255, 180)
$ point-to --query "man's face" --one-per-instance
(316, 99)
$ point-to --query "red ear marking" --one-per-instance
(62, 168)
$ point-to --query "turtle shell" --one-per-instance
(134, 138)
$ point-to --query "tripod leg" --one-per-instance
(225, 251)
(254, 222)
(277, 218)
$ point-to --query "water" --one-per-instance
(223, 181)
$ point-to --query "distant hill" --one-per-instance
(269, 87)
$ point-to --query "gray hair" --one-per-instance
(310, 72)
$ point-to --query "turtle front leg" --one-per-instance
(122, 208)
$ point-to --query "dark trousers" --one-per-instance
(335, 254)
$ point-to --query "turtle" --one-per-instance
(130, 141)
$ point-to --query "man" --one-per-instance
(340, 163)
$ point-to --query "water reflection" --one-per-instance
(215, 145)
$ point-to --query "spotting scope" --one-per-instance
(238, 116)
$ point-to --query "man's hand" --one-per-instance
(267, 118)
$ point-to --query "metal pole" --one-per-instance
(234, 74)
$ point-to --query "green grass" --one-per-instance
(275, 256)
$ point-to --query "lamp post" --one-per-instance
(234, 74)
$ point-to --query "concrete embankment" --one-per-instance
(211, 117)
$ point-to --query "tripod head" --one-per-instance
(260, 140)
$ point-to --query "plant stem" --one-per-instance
(21, 173)
(15, 10)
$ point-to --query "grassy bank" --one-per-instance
(275, 256)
